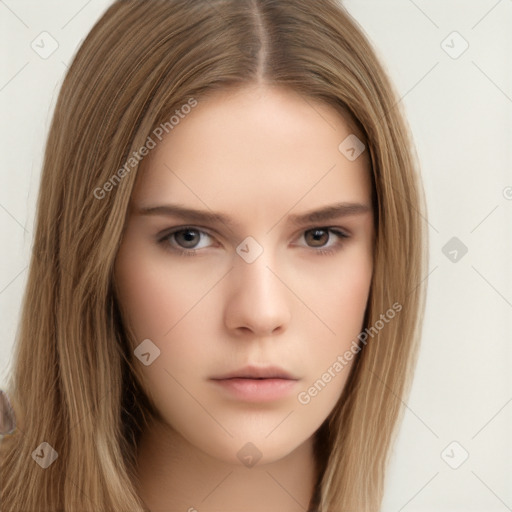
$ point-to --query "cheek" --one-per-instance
(341, 307)
(172, 308)
(157, 296)
(349, 297)
(339, 295)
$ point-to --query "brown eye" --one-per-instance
(186, 241)
(317, 237)
(187, 238)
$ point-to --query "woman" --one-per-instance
(265, 373)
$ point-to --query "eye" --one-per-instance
(319, 238)
(185, 240)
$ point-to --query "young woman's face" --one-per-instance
(266, 286)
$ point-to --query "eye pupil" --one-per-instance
(319, 235)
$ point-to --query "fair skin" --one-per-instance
(259, 156)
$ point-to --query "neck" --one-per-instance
(174, 475)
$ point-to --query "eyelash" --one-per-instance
(193, 252)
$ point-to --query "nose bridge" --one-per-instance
(252, 268)
(259, 301)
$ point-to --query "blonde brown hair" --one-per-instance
(73, 383)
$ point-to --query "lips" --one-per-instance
(256, 384)
(257, 372)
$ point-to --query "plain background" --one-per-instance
(459, 108)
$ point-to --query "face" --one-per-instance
(269, 286)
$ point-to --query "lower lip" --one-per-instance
(257, 390)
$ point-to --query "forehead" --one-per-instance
(256, 148)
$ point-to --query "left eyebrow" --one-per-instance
(330, 212)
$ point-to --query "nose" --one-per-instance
(259, 302)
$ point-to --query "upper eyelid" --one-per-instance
(170, 231)
(213, 232)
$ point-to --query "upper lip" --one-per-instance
(257, 372)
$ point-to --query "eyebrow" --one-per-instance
(330, 212)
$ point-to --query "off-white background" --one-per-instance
(460, 113)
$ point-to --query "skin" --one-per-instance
(258, 155)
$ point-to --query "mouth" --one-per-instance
(256, 390)
(257, 373)
(256, 384)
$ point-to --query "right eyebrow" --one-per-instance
(173, 210)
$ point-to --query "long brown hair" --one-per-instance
(73, 383)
